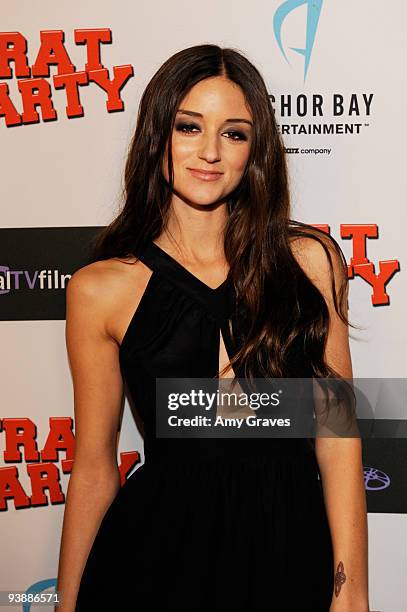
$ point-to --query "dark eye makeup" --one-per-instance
(187, 128)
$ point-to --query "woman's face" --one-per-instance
(212, 133)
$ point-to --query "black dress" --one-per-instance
(205, 523)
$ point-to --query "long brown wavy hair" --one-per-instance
(285, 314)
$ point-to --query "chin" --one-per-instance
(193, 197)
(204, 201)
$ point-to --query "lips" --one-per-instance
(205, 175)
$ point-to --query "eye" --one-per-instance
(186, 128)
(237, 135)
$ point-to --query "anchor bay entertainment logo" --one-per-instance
(313, 13)
(352, 106)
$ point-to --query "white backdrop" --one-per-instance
(69, 173)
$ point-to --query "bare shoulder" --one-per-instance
(312, 250)
(100, 280)
(315, 254)
(106, 288)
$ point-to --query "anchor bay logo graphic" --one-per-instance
(313, 12)
(303, 113)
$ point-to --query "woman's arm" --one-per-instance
(98, 391)
(340, 459)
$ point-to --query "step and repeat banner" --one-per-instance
(71, 78)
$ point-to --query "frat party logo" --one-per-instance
(313, 13)
(35, 84)
(43, 466)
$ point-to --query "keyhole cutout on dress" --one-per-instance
(232, 409)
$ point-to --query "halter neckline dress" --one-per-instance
(205, 523)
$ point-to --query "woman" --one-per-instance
(203, 274)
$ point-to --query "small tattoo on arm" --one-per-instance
(340, 578)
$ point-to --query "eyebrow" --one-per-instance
(194, 114)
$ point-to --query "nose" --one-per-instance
(210, 148)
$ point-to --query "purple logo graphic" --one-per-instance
(375, 480)
(3, 271)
